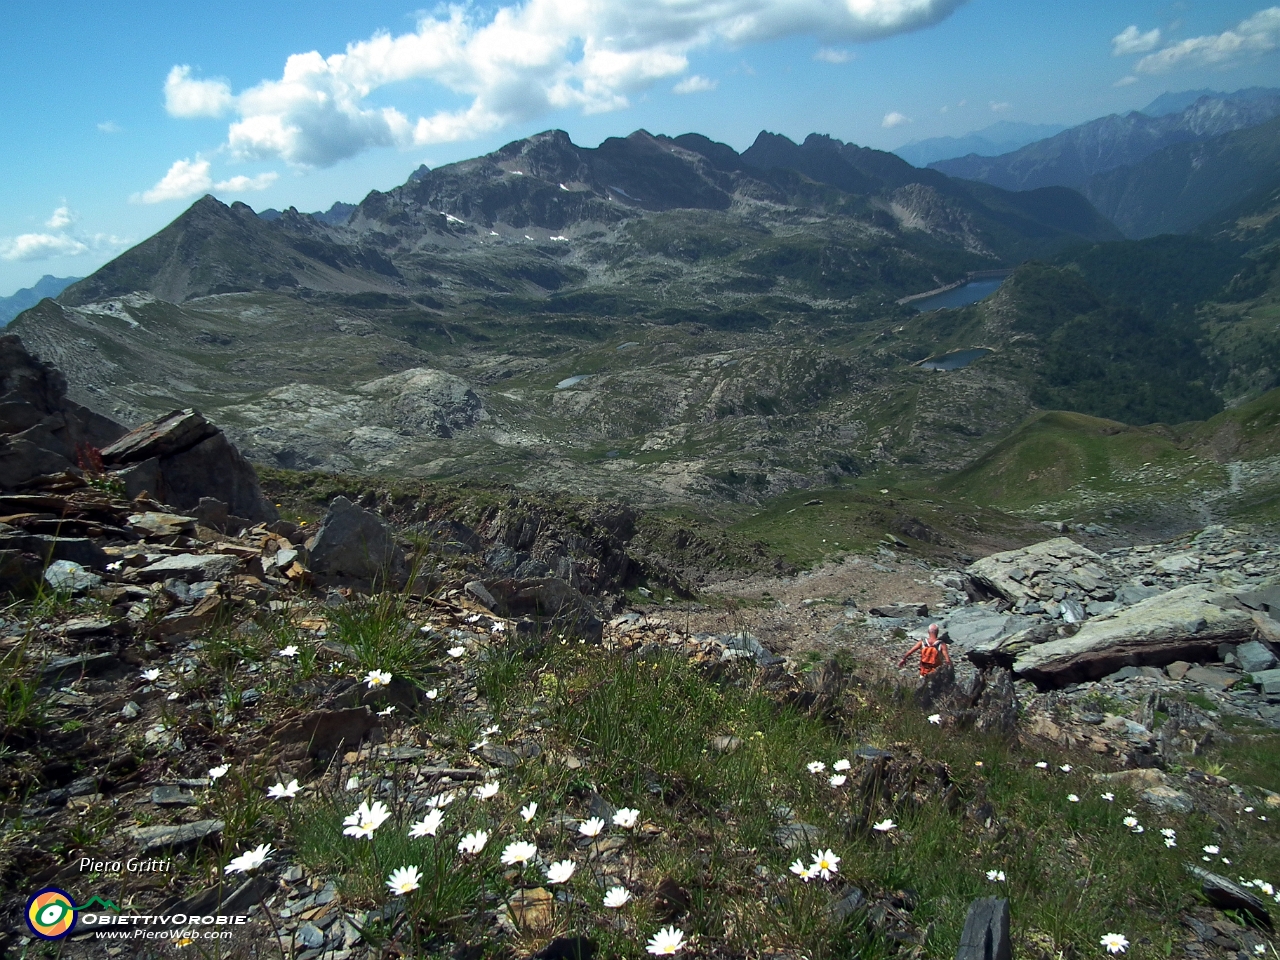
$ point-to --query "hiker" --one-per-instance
(933, 649)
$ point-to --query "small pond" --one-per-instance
(955, 361)
(971, 292)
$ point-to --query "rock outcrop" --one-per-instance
(181, 459)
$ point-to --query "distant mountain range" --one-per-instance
(335, 216)
(46, 286)
(1002, 137)
(1071, 158)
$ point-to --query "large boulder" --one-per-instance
(1056, 577)
(353, 543)
(41, 431)
(1184, 624)
(181, 459)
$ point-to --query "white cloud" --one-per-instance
(184, 97)
(62, 217)
(894, 119)
(1000, 106)
(1126, 81)
(40, 246)
(695, 84)
(243, 184)
(1130, 40)
(1256, 35)
(526, 60)
(109, 126)
(184, 179)
(833, 55)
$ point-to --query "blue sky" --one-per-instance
(119, 120)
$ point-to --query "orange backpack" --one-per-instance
(929, 653)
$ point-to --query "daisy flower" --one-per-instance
(840, 766)
(218, 771)
(801, 870)
(519, 852)
(1073, 798)
(884, 826)
(529, 810)
(281, 792)
(377, 678)
(1131, 822)
(442, 799)
(249, 861)
(386, 711)
(151, 675)
(473, 842)
(1115, 942)
(935, 718)
(290, 651)
(366, 819)
(560, 871)
(1168, 832)
(1211, 848)
(1108, 797)
(486, 791)
(666, 941)
(432, 693)
(816, 766)
(427, 826)
(825, 864)
(456, 651)
(591, 828)
(1065, 768)
(995, 876)
(838, 780)
(616, 897)
(1170, 842)
(404, 880)
(625, 817)
(1042, 765)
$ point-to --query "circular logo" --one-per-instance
(51, 914)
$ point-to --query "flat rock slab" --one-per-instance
(191, 567)
(162, 524)
(1268, 681)
(173, 837)
(1254, 657)
(1183, 624)
(1006, 573)
(1209, 677)
(178, 431)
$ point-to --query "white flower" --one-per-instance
(1114, 942)
(1226, 861)
(1211, 848)
(616, 897)
(486, 791)
(281, 792)
(1168, 832)
(1073, 798)
(290, 651)
(816, 766)
(487, 731)
(1139, 828)
(1108, 797)
(387, 711)
(802, 871)
(1259, 948)
(626, 817)
(151, 675)
(498, 628)
(377, 678)
(884, 826)
(668, 940)
(1170, 842)
(935, 718)
(529, 810)
(560, 871)
(838, 780)
(442, 799)
(825, 864)
(995, 876)
(473, 842)
(591, 828)
(249, 861)
(1132, 822)
(519, 851)
(1266, 888)
(1042, 765)
(366, 819)
(404, 880)
(1065, 768)
(840, 766)
(218, 771)
(432, 693)
(427, 826)
(456, 651)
